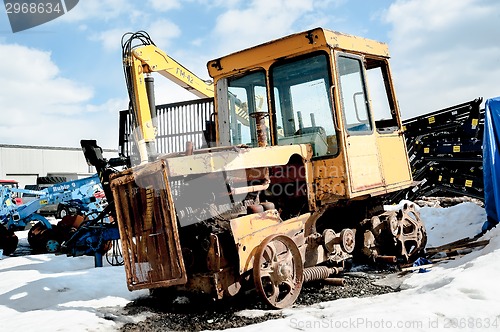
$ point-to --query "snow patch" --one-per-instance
(59, 293)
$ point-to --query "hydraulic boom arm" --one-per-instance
(139, 62)
(152, 59)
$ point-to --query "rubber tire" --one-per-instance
(8, 241)
(43, 240)
(62, 211)
(32, 233)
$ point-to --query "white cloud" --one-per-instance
(162, 32)
(110, 106)
(167, 92)
(110, 39)
(197, 42)
(164, 5)
(444, 52)
(41, 107)
(219, 3)
(29, 78)
(100, 9)
(329, 4)
(260, 21)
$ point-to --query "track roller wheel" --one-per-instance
(8, 240)
(347, 239)
(278, 271)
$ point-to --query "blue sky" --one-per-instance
(63, 81)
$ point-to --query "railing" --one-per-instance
(176, 123)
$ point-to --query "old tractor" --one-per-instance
(289, 182)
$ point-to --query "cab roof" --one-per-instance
(292, 45)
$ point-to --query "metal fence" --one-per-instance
(176, 124)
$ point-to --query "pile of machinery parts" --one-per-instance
(446, 152)
(456, 248)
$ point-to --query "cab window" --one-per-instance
(247, 94)
(382, 99)
(353, 95)
(301, 99)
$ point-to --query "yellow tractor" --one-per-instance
(306, 142)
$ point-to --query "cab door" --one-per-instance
(394, 161)
(361, 150)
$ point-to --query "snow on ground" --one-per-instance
(450, 224)
(57, 293)
(459, 295)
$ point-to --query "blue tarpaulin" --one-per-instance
(491, 161)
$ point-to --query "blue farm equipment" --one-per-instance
(98, 233)
(92, 235)
(83, 194)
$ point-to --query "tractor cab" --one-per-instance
(12, 184)
(323, 88)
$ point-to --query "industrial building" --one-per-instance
(26, 164)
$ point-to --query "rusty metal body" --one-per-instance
(282, 197)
